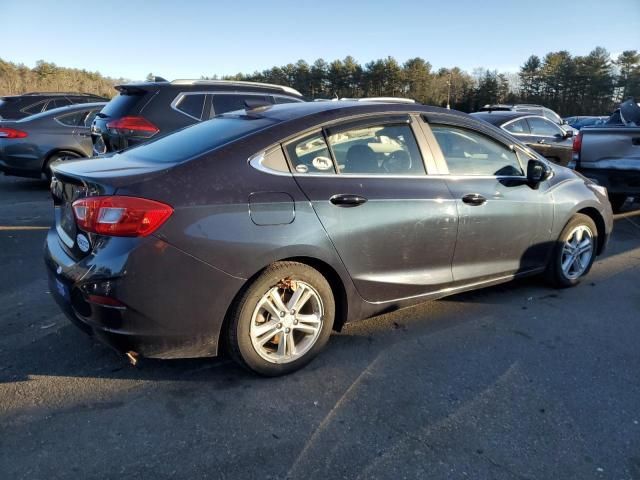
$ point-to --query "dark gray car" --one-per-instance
(29, 146)
(263, 230)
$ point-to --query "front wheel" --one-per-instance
(282, 320)
(574, 252)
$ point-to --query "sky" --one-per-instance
(187, 39)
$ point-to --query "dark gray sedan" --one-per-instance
(29, 146)
(264, 230)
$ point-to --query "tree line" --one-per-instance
(592, 84)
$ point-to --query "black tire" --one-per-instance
(63, 155)
(617, 201)
(239, 341)
(554, 273)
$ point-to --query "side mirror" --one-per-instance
(537, 172)
(568, 133)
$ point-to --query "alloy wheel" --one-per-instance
(287, 321)
(577, 252)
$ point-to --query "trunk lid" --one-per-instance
(81, 178)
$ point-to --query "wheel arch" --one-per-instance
(55, 151)
(598, 219)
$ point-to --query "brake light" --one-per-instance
(120, 216)
(12, 133)
(577, 146)
(134, 126)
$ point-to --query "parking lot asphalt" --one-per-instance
(517, 381)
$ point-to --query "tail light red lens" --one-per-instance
(120, 216)
(12, 133)
(135, 126)
(577, 143)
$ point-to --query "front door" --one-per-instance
(504, 224)
(550, 140)
(392, 225)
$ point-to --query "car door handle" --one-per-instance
(347, 200)
(542, 141)
(474, 199)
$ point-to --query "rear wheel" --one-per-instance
(617, 201)
(282, 320)
(574, 252)
(58, 156)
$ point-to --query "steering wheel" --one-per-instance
(398, 162)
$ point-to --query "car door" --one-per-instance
(393, 226)
(551, 140)
(503, 223)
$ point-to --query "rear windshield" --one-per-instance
(121, 105)
(200, 138)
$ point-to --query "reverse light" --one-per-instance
(134, 126)
(12, 133)
(120, 216)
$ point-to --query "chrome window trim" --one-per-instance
(23, 110)
(256, 162)
(181, 95)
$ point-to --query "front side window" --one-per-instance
(387, 149)
(310, 155)
(518, 126)
(470, 153)
(552, 116)
(543, 127)
(192, 105)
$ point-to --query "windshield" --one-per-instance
(200, 138)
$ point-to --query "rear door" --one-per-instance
(504, 225)
(393, 226)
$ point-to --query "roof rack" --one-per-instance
(381, 99)
(78, 94)
(284, 88)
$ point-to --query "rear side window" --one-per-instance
(191, 104)
(223, 103)
(387, 149)
(34, 108)
(519, 126)
(469, 153)
(199, 138)
(121, 105)
(310, 155)
(73, 119)
(57, 103)
(286, 100)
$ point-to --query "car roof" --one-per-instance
(334, 110)
(54, 112)
(500, 117)
(209, 84)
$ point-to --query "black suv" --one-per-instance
(145, 110)
(15, 107)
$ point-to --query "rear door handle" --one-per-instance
(347, 200)
(474, 199)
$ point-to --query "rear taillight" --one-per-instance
(12, 133)
(120, 216)
(577, 146)
(134, 126)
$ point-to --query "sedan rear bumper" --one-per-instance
(166, 304)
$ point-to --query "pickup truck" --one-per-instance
(610, 154)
